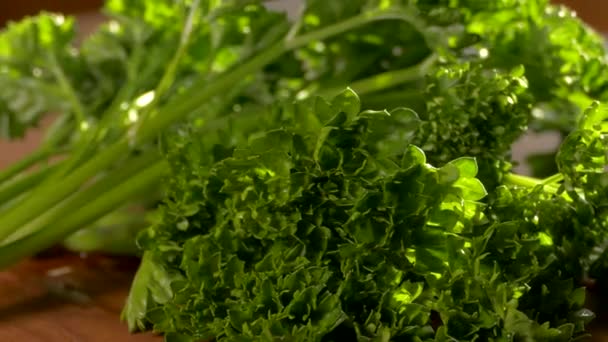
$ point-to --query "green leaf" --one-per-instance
(260, 259)
(32, 54)
(412, 157)
(466, 166)
(151, 286)
(472, 189)
(347, 102)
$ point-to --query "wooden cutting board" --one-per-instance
(67, 298)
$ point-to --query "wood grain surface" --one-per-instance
(67, 298)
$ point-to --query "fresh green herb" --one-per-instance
(286, 216)
(332, 224)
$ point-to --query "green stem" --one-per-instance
(66, 207)
(57, 132)
(521, 180)
(48, 148)
(96, 208)
(529, 182)
(25, 163)
(113, 233)
(556, 178)
(200, 91)
(14, 189)
(169, 75)
(47, 195)
(389, 79)
(68, 90)
(354, 22)
(85, 147)
(109, 117)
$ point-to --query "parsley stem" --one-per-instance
(393, 78)
(17, 187)
(68, 91)
(201, 91)
(25, 163)
(387, 79)
(88, 144)
(50, 193)
(529, 182)
(168, 77)
(48, 148)
(47, 195)
(66, 207)
(97, 207)
(556, 178)
(58, 132)
(521, 180)
(352, 23)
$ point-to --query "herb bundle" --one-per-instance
(344, 174)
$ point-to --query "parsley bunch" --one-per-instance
(387, 213)
(329, 223)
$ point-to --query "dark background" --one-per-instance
(16, 9)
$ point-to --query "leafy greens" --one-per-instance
(387, 213)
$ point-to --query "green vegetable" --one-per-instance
(283, 215)
(332, 224)
(214, 58)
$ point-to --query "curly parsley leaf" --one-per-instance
(333, 224)
(36, 55)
